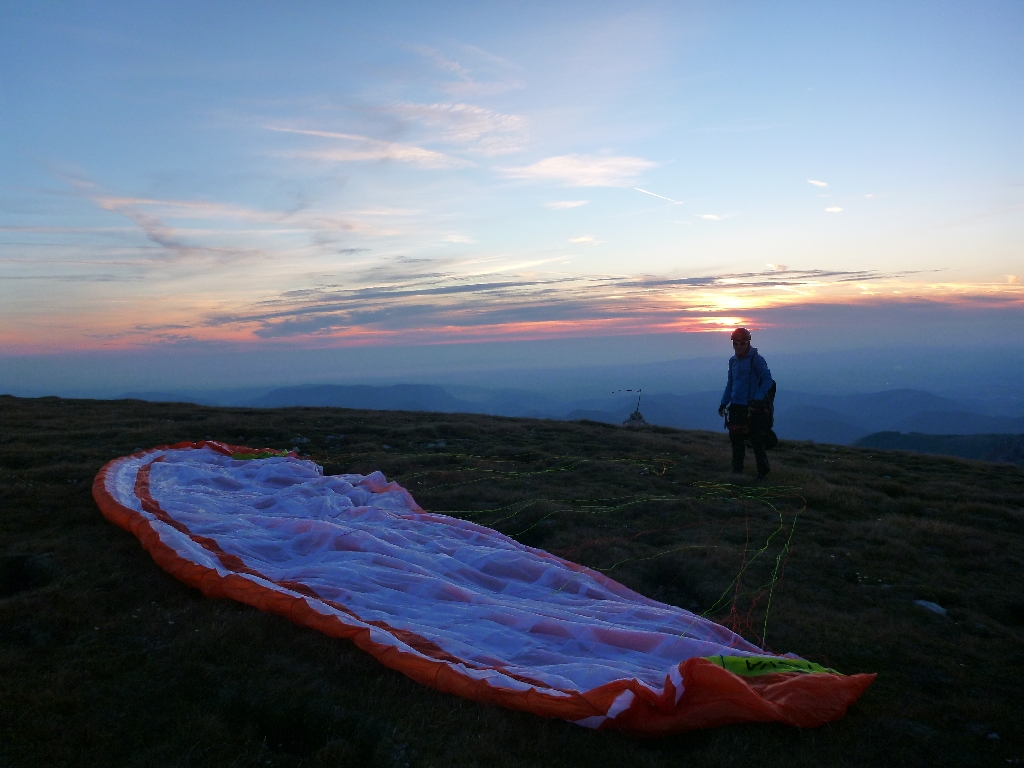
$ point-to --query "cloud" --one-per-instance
(493, 59)
(583, 170)
(1013, 279)
(369, 149)
(442, 62)
(153, 227)
(170, 226)
(315, 325)
(408, 301)
(561, 205)
(817, 183)
(402, 300)
(92, 278)
(66, 230)
(187, 209)
(309, 291)
(497, 71)
(479, 129)
(834, 209)
(305, 219)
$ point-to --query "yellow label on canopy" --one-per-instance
(258, 454)
(766, 665)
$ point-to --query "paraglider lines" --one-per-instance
(736, 620)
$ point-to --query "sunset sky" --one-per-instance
(268, 176)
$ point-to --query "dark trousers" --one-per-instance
(739, 416)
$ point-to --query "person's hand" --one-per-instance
(757, 405)
(721, 410)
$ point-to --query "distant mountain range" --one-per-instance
(398, 397)
(841, 419)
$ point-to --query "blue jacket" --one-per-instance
(749, 379)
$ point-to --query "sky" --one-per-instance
(390, 183)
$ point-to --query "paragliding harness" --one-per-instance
(761, 420)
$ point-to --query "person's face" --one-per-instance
(741, 347)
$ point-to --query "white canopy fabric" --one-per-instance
(453, 604)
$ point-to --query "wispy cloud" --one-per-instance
(442, 62)
(94, 277)
(486, 75)
(817, 183)
(418, 302)
(369, 149)
(190, 209)
(834, 209)
(583, 170)
(66, 230)
(584, 240)
(171, 226)
(153, 227)
(474, 128)
(561, 205)
(403, 300)
(709, 216)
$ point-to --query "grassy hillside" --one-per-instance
(106, 660)
(1009, 448)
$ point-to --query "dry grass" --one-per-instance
(106, 660)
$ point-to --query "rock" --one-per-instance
(930, 606)
(636, 419)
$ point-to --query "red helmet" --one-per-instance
(741, 334)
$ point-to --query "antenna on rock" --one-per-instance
(636, 419)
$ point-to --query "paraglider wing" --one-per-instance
(453, 605)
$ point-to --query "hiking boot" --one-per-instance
(763, 473)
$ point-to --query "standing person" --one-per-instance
(745, 398)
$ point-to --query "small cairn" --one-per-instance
(636, 419)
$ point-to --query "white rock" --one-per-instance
(930, 606)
